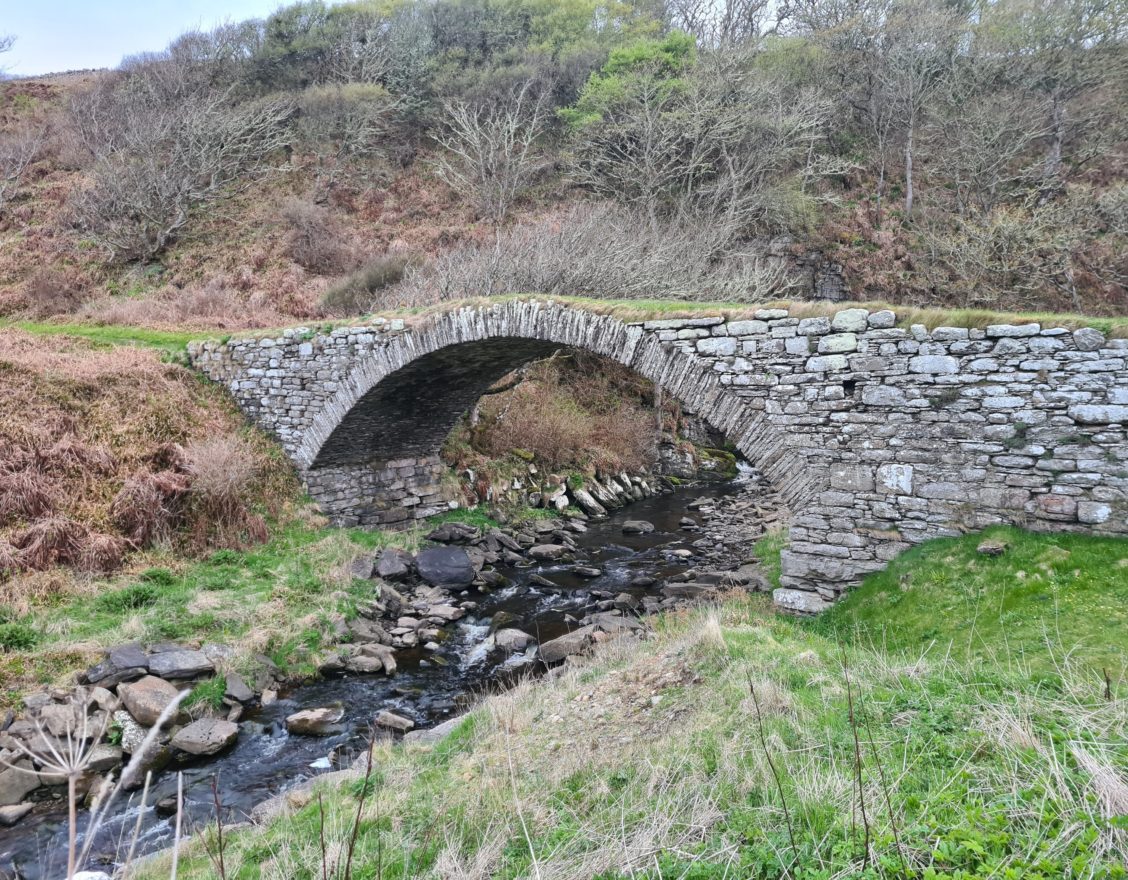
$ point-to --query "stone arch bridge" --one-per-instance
(878, 437)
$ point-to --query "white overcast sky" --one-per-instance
(57, 35)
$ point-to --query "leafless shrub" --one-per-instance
(355, 294)
(316, 241)
(602, 251)
(162, 144)
(491, 149)
(18, 149)
(223, 470)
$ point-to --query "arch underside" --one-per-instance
(410, 412)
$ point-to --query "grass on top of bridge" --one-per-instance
(174, 341)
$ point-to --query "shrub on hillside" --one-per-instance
(223, 471)
(355, 294)
(603, 251)
(316, 241)
(51, 292)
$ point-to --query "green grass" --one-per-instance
(171, 342)
(768, 550)
(648, 761)
(1047, 599)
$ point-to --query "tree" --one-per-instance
(491, 150)
(1062, 51)
(160, 144)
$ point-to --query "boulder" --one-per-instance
(575, 642)
(180, 664)
(453, 533)
(434, 734)
(385, 654)
(385, 718)
(445, 567)
(512, 640)
(207, 736)
(147, 698)
(637, 527)
(123, 663)
(12, 813)
(991, 548)
(587, 503)
(16, 783)
(364, 631)
(364, 664)
(103, 757)
(547, 552)
(445, 612)
(315, 722)
(237, 689)
(62, 719)
(587, 571)
(363, 567)
(393, 565)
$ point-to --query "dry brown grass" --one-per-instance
(574, 411)
(93, 460)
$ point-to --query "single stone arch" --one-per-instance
(877, 436)
(398, 404)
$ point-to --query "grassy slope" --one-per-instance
(649, 762)
(1048, 600)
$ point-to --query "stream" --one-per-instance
(428, 688)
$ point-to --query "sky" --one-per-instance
(57, 35)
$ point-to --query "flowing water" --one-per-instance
(428, 688)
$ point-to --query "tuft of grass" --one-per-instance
(207, 693)
(768, 550)
(1048, 600)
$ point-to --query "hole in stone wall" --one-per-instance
(850, 386)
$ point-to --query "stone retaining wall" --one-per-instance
(878, 437)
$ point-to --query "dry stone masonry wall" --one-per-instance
(878, 437)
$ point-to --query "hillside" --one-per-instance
(375, 154)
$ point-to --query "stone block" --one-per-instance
(827, 363)
(882, 320)
(1096, 414)
(850, 321)
(896, 479)
(747, 328)
(837, 343)
(854, 478)
(1093, 512)
(934, 364)
(1010, 331)
(814, 326)
(1088, 339)
(717, 346)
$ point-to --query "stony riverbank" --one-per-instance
(417, 601)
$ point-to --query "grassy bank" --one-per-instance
(732, 744)
(1047, 601)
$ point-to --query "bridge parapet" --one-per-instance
(878, 436)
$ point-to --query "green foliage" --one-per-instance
(128, 598)
(768, 550)
(208, 692)
(18, 637)
(661, 62)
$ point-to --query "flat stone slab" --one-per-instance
(207, 736)
(180, 664)
(315, 722)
